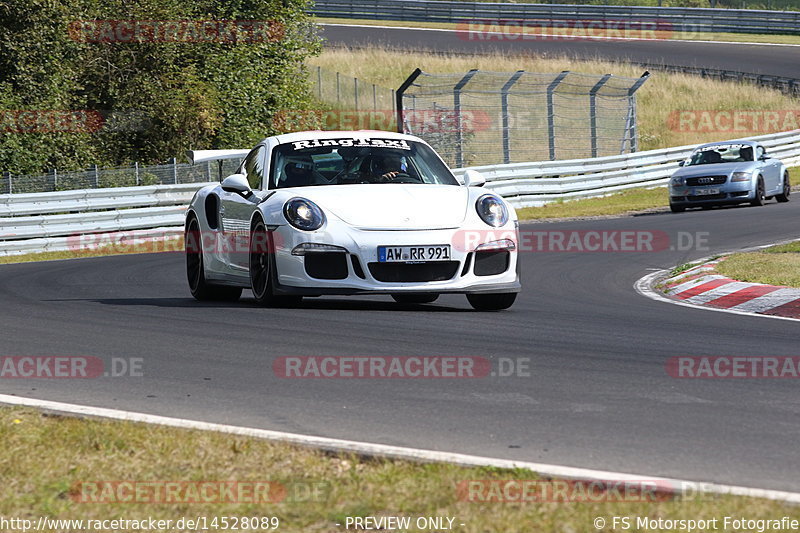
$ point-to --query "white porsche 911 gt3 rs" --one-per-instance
(344, 213)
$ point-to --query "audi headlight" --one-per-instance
(741, 176)
(677, 182)
(492, 210)
(303, 214)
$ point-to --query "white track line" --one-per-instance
(552, 37)
(414, 454)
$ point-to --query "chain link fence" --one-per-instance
(347, 92)
(481, 118)
(171, 173)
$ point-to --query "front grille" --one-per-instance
(491, 263)
(719, 196)
(706, 180)
(410, 272)
(326, 265)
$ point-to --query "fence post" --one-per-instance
(55, 179)
(96, 177)
(504, 115)
(174, 171)
(593, 111)
(457, 111)
(338, 93)
(551, 114)
(398, 97)
(136, 171)
(10, 188)
(632, 110)
(319, 82)
(355, 93)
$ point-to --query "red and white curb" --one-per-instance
(700, 286)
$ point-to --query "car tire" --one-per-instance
(759, 199)
(416, 298)
(201, 289)
(492, 302)
(676, 208)
(787, 189)
(262, 269)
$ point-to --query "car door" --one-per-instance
(236, 211)
(770, 170)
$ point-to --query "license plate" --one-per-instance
(705, 192)
(409, 254)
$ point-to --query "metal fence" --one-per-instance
(677, 19)
(788, 5)
(348, 92)
(96, 177)
(480, 117)
(789, 86)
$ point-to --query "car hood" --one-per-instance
(718, 169)
(392, 205)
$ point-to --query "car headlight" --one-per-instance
(492, 210)
(741, 176)
(677, 182)
(303, 214)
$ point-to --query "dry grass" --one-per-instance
(779, 265)
(659, 99)
(46, 458)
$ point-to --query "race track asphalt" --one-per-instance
(774, 60)
(598, 395)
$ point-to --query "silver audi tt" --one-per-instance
(730, 172)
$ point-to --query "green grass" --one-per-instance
(778, 265)
(633, 200)
(48, 459)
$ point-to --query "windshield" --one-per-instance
(721, 153)
(346, 161)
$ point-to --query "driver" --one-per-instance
(390, 166)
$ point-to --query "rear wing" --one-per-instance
(201, 156)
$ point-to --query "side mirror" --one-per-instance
(763, 157)
(236, 183)
(473, 178)
(681, 163)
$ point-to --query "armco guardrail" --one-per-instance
(536, 184)
(686, 19)
(51, 221)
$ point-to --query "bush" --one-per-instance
(181, 95)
